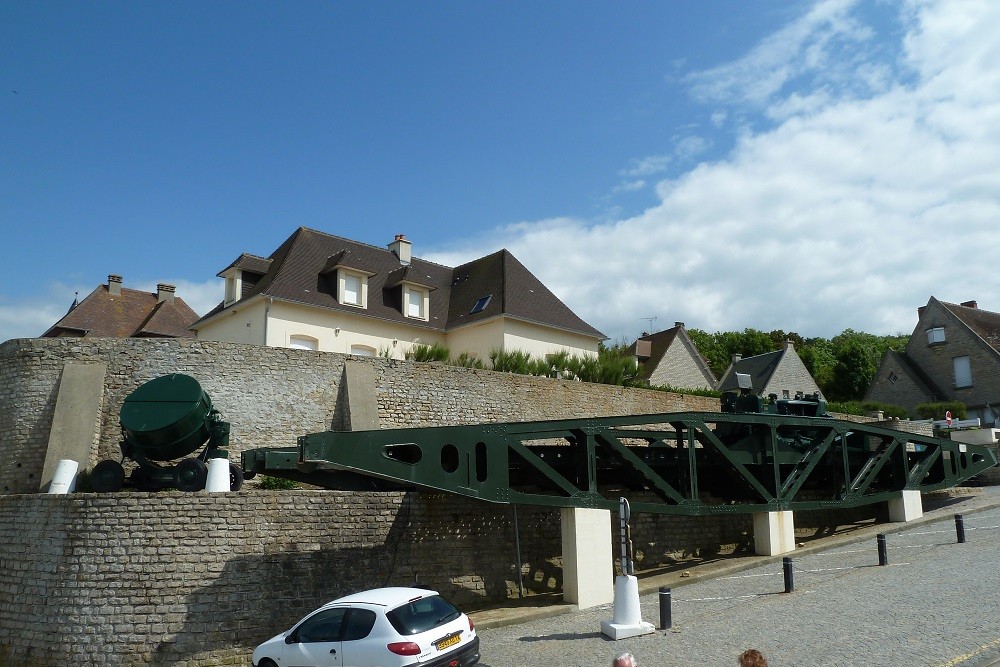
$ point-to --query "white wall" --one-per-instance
(285, 320)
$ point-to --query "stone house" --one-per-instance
(670, 358)
(323, 292)
(113, 311)
(953, 354)
(780, 373)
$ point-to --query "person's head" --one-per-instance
(624, 660)
(752, 658)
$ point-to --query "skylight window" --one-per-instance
(481, 304)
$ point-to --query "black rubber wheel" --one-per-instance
(190, 475)
(107, 476)
(266, 662)
(235, 477)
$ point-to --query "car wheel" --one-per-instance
(267, 662)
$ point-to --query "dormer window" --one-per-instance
(352, 288)
(234, 285)
(935, 335)
(415, 301)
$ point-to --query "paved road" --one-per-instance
(936, 604)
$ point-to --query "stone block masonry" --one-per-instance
(198, 579)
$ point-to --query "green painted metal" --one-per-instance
(693, 463)
(166, 418)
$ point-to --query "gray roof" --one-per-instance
(301, 271)
(760, 369)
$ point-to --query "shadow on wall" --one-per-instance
(256, 597)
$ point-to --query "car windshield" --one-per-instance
(422, 615)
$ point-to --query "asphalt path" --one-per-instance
(935, 604)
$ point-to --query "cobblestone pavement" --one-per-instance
(935, 604)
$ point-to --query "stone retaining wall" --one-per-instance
(196, 579)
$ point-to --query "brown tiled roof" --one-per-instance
(131, 314)
(300, 270)
(248, 262)
(983, 323)
(514, 291)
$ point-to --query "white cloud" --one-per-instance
(849, 212)
(647, 166)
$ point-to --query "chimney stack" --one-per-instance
(969, 304)
(400, 247)
(736, 357)
(114, 285)
(165, 292)
(679, 324)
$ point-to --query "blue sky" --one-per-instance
(810, 166)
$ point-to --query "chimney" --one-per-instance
(165, 292)
(736, 357)
(114, 285)
(969, 304)
(400, 247)
(679, 324)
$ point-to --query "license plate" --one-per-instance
(447, 642)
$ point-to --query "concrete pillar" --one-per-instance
(76, 420)
(907, 507)
(362, 407)
(773, 533)
(588, 562)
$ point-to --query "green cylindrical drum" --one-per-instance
(167, 418)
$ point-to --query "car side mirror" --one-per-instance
(291, 638)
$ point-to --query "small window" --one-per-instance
(892, 378)
(963, 372)
(481, 304)
(363, 351)
(784, 393)
(352, 290)
(415, 304)
(303, 343)
(935, 335)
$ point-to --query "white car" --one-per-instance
(383, 627)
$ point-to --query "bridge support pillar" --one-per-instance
(773, 533)
(588, 563)
(907, 507)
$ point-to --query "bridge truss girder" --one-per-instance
(676, 463)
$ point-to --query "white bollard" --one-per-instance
(627, 619)
(64, 479)
(218, 475)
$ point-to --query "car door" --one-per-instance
(358, 649)
(315, 642)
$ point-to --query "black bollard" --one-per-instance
(786, 564)
(665, 618)
(960, 528)
(883, 557)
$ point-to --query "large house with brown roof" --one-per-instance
(118, 312)
(323, 292)
(953, 354)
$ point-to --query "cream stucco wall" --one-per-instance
(243, 323)
(246, 324)
(539, 341)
